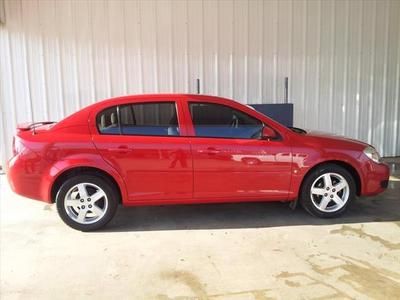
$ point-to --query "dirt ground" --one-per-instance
(228, 251)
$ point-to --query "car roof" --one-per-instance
(155, 96)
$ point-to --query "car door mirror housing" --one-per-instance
(269, 134)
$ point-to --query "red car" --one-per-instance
(181, 149)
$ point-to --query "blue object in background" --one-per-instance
(282, 113)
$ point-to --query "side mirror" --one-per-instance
(268, 133)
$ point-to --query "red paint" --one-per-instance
(151, 170)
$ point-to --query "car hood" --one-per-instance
(326, 136)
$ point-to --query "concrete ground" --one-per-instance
(230, 251)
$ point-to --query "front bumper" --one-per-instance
(376, 178)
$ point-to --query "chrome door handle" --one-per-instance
(121, 149)
(212, 151)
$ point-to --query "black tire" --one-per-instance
(112, 198)
(310, 202)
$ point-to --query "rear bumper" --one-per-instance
(376, 179)
(26, 176)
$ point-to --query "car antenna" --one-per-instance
(198, 85)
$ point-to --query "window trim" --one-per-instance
(223, 137)
(117, 106)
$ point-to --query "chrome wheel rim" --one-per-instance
(330, 192)
(86, 203)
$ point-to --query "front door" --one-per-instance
(143, 142)
(231, 161)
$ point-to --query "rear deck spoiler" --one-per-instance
(29, 126)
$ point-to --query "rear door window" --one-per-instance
(154, 119)
(159, 119)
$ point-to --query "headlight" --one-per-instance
(372, 154)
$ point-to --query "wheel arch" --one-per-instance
(347, 166)
(73, 171)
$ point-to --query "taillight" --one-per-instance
(17, 146)
(13, 147)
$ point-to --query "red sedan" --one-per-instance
(181, 149)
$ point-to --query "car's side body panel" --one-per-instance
(48, 154)
(152, 170)
(238, 168)
(241, 168)
(153, 167)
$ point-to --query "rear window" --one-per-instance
(107, 121)
(158, 119)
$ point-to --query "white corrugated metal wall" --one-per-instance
(342, 58)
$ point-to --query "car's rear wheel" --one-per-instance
(86, 202)
(327, 191)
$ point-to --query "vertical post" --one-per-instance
(286, 97)
(198, 85)
(2, 12)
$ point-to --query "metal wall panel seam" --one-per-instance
(275, 51)
(60, 73)
(371, 87)
(246, 56)
(43, 67)
(124, 73)
(140, 47)
(318, 58)
(261, 55)
(396, 132)
(187, 84)
(75, 61)
(171, 53)
(3, 143)
(384, 79)
(216, 69)
(11, 82)
(332, 66)
(346, 70)
(26, 72)
(304, 65)
(155, 50)
(231, 65)
(202, 48)
(107, 49)
(92, 64)
(290, 57)
(4, 38)
(360, 26)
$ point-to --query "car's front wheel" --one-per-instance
(86, 202)
(327, 191)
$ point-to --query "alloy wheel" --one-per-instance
(86, 203)
(330, 192)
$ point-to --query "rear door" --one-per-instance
(229, 158)
(144, 141)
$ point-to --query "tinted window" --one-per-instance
(107, 121)
(149, 119)
(215, 120)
